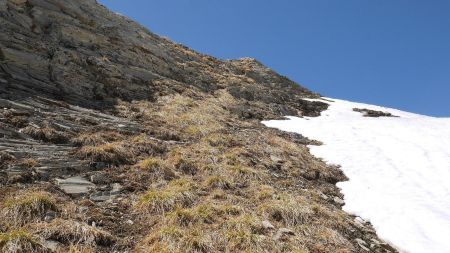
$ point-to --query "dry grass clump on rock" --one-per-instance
(46, 134)
(144, 145)
(74, 232)
(27, 207)
(151, 164)
(111, 153)
(20, 241)
(97, 138)
(289, 210)
(29, 163)
(171, 239)
(218, 181)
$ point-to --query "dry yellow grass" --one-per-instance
(27, 207)
(47, 134)
(113, 153)
(20, 241)
(289, 210)
(178, 193)
(97, 138)
(74, 233)
(29, 163)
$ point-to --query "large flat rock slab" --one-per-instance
(75, 185)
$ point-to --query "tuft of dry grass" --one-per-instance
(193, 118)
(289, 210)
(157, 167)
(178, 193)
(205, 213)
(112, 153)
(265, 192)
(97, 138)
(244, 173)
(186, 166)
(46, 134)
(218, 181)
(172, 239)
(151, 164)
(328, 240)
(29, 163)
(143, 144)
(20, 241)
(74, 233)
(26, 207)
(244, 233)
(78, 249)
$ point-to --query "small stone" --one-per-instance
(362, 244)
(323, 196)
(99, 178)
(99, 165)
(52, 245)
(116, 189)
(376, 241)
(49, 216)
(360, 241)
(276, 159)
(359, 222)
(338, 200)
(267, 225)
(129, 222)
(100, 197)
(282, 233)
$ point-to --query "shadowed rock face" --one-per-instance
(80, 52)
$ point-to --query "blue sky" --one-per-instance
(393, 53)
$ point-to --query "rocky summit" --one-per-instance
(114, 139)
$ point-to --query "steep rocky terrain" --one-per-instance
(113, 139)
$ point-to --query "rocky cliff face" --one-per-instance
(80, 52)
(113, 139)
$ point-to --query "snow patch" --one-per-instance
(398, 169)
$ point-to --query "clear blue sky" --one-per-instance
(393, 53)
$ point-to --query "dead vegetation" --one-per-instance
(195, 177)
(225, 185)
(177, 193)
(97, 138)
(111, 153)
(26, 207)
(170, 141)
(20, 241)
(230, 185)
(71, 232)
(46, 134)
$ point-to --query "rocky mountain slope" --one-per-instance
(113, 139)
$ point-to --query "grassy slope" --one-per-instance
(180, 131)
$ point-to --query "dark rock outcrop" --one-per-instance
(80, 52)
